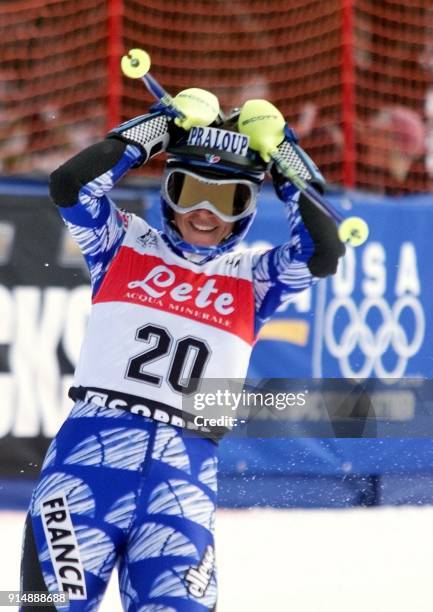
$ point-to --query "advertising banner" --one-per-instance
(44, 305)
(373, 319)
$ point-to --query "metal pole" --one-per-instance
(348, 105)
(115, 51)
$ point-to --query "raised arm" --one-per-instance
(313, 248)
(80, 188)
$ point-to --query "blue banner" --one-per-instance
(373, 318)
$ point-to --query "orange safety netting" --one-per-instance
(354, 77)
(53, 81)
(393, 47)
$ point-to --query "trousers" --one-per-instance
(119, 489)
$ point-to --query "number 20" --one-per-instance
(187, 351)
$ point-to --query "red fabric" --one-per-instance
(214, 300)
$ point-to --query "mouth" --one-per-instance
(199, 227)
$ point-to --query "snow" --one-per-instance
(301, 560)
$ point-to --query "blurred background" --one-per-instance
(339, 517)
(352, 76)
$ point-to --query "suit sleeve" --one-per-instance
(281, 273)
(313, 248)
(80, 188)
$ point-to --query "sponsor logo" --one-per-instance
(162, 279)
(375, 333)
(148, 239)
(213, 159)
(198, 578)
(221, 140)
(34, 400)
(374, 343)
(96, 397)
(63, 547)
(260, 118)
(210, 299)
(233, 261)
(139, 407)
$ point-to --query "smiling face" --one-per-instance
(202, 228)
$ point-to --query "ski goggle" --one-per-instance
(229, 199)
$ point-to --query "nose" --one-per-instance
(204, 214)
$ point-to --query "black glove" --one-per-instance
(328, 247)
(150, 133)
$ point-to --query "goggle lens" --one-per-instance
(230, 198)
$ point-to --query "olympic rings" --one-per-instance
(374, 343)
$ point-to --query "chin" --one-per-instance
(203, 243)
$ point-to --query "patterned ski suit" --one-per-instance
(120, 484)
